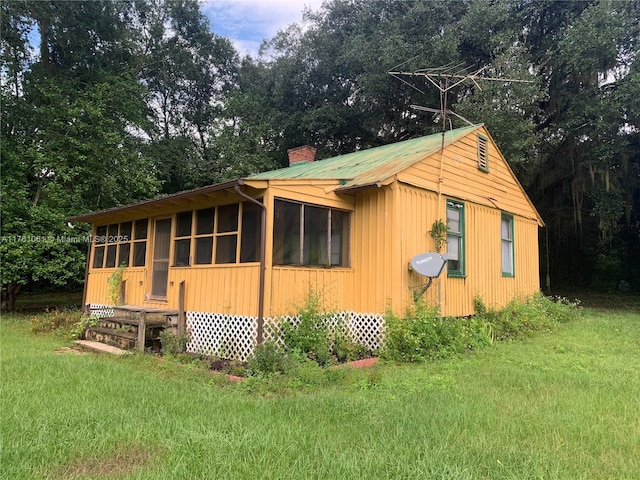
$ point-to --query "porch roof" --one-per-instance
(156, 202)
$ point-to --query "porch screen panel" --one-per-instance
(112, 248)
(124, 249)
(310, 235)
(251, 225)
(316, 236)
(286, 233)
(227, 233)
(98, 252)
(140, 242)
(226, 248)
(204, 235)
(182, 250)
(340, 231)
(161, 258)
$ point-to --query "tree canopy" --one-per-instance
(105, 103)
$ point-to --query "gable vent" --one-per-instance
(483, 153)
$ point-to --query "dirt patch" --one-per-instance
(120, 463)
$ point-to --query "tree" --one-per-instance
(68, 117)
(188, 71)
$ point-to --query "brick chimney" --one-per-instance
(304, 154)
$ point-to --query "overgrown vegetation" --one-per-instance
(114, 284)
(173, 343)
(314, 335)
(424, 335)
(69, 324)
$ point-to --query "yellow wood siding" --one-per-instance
(462, 179)
(482, 255)
(374, 247)
(483, 263)
(418, 209)
(290, 288)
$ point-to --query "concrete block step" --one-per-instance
(100, 347)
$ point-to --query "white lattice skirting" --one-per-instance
(100, 310)
(234, 337)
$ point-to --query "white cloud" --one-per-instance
(248, 22)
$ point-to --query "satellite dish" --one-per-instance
(429, 264)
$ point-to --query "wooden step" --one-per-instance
(109, 336)
(118, 323)
(153, 316)
(129, 324)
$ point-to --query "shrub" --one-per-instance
(173, 344)
(316, 335)
(413, 338)
(524, 316)
(267, 359)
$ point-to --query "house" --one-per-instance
(233, 257)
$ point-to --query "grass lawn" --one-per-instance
(564, 405)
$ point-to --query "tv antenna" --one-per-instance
(445, 78)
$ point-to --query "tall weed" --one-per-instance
(423, 335)
(69, 324)
(310, 334)
(526, 315)
(317, 335)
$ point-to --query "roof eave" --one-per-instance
(89, 217)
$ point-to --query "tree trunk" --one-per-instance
(9, 295)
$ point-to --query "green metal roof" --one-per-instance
(367, 167)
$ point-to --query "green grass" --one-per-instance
(555, 406)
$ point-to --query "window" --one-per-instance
(455, 239)
(113, 244)
(226, 233)
(507, 245)
(215, 234)
(141, 227)
(310, 235)
(124, 247)
(483, 153)
(251, 227)
(182, 244)
(98, 249)
(204, 235)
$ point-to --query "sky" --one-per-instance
(247, 22)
